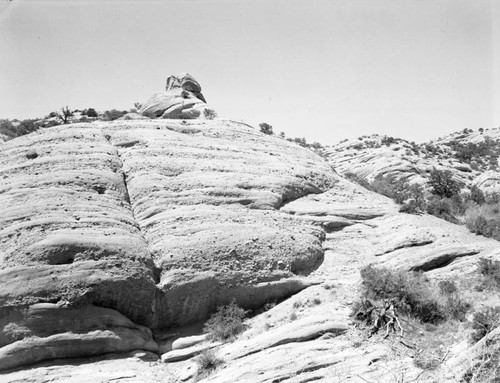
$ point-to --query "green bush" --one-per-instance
(226, 323)
(410, 291)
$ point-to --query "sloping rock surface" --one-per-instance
(471, 157)
(159, 221)
(113, 230)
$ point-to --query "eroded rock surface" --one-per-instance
(182, 99)
(471, 157)
(111, 230)
(159, 221)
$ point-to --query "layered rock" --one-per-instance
(112, 232)
(155, 220)
(369, 157)
(182, 99)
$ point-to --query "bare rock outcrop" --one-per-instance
(182, 99)
(152, 219)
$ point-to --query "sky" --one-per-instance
(320, 69)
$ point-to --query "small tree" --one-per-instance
(443, 184)
(64, 114)
(266, 128)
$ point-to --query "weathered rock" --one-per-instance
(154, 220)
(369, 157)
(186, 353)
(48, 331)
(181, 100)
(488, 181)
(299, 331)
(188, 341)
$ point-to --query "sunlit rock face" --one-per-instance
(182, 99)
(118, 225)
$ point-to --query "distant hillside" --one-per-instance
(472, 158)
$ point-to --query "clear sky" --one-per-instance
(320, 69)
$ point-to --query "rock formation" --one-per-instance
(182, 99)
(118, 239)
(153, 220)
(372, 156)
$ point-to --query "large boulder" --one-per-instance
(182, 99)
(153, 220)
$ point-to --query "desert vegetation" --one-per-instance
(207, 362)
(412, 294)
(226, 322)
(447, 199)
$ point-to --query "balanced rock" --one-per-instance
(182, 99)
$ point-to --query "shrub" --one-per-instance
(111, 115)
(442, 183)
(387, 141)
(226, 323)
(484, 321)
(207, 362)
(301, 141)
(477, 195)
(209, 114)
(427, 360)
(265, 128)
(454, 306)
(410, 291)
(485, 367)
(484, 220)
(481, 225)
(7, 128)
(26, 127)
(491, 270)
(442, 208)
(91, 112)
(410, 207)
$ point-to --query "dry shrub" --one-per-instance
(226, 323)
(410, 291)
